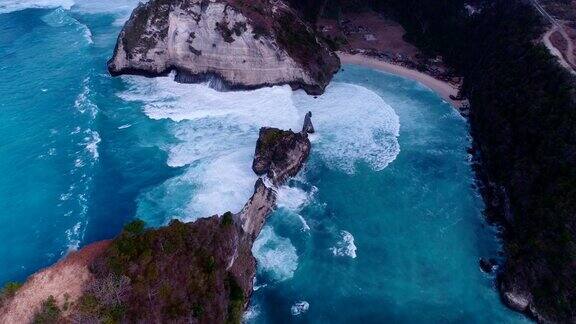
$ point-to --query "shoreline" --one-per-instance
(442, 88)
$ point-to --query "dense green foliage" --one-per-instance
(524, 124)
(237, 301)
(171, 274)
(9, 289)
(49, 313)
(523, 121)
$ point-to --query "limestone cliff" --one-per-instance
(247, 44)
(198, 272)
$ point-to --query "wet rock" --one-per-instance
(280, 154)
(308, 127)
(488, 265)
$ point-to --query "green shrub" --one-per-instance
(227, 219)
(135, 227)
(237, 299)
(9, 289)
(49, 312)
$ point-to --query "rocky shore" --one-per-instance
(198, 272)
(245, 45)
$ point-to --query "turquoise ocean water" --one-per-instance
(384, 224)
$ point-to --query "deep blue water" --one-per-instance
(384, 224)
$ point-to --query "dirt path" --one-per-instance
(567, 58)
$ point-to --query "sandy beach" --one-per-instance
(444, 89)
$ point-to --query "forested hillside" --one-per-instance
(523, 121)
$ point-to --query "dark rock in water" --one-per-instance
(488, 265)
(246, 44)
(280, 154)
(308, 127)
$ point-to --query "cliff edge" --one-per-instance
(198, 272)
(246, 44)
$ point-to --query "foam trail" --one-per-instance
(92, 140)
(84, 159)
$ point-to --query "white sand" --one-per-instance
(444, 89)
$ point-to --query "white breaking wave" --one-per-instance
(105, 6)
(223, 184)
(216, 132)
(345, 247)
(60, 17)
(251, 313)
(121, 9)
(292, 198)
(299, 308)
(352, 124)
(276, 255)
(7, 6)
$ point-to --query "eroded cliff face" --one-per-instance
(247, 44)
(198, 272)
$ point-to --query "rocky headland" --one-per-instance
(245, 44)
(198, 272)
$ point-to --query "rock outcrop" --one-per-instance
(280, 154)
(308, 127)
(247, 44)
(198, 272)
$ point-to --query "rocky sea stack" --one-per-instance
(197, 272)
(246, 44)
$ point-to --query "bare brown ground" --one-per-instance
(65, 281)
(558, 41)
(561, 36)
(369, 31)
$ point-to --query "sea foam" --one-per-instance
(299, 308)
(353, 124)
(345, 246)
(276, 255)
(215, 133)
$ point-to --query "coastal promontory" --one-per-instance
(197, 272)
(245, 44)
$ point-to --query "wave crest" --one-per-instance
(8, 6)
(276, 255)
